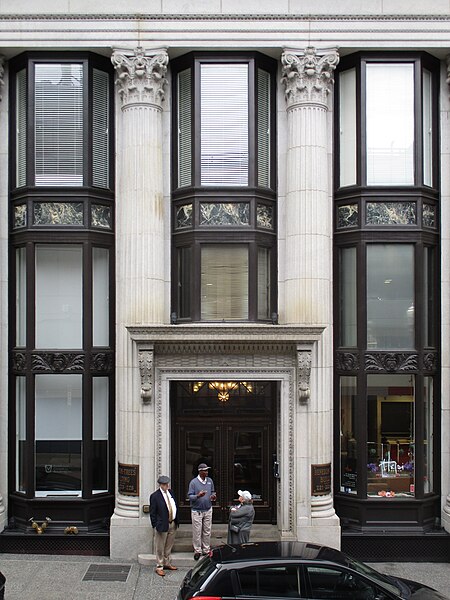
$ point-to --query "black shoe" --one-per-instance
(197, 555)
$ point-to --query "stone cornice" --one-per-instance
(141, 75)
(308, 75)
(229, 334)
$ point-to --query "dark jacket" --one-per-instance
(159, 513)
(242, 517)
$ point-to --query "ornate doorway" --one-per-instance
(231, 428)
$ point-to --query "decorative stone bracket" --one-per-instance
(145, 357)
(303, 375)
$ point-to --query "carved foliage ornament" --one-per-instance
(2, 72)
(308, 75)
(347, 361)
(303, 375)
(57, 362)
(392, 362)
(141, 76)
(146, 371)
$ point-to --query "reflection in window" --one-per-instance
(348, 397)
(263, 283)
(347, 127)
(348, 315)
(390, 435)
(59, 296)
(100, 422)
(273, 581)
(390, 296)
(100, 296)
(427, 128)
(21, 433)
(334, 583)
(21, 296)
(58, 434)
(224, 282)
(390, 124)
(428, 435)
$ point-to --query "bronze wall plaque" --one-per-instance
(321, 479)
(128, 479)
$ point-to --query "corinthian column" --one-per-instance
(308, 79)
(140, 259)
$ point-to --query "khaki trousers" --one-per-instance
(164, 541)
(201, 530)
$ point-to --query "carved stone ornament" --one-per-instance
(430, 361)
(303, 375)
(2, 73)
(141, 75)
(102, 362)
(308, 75)
(146, 355)
(347, 361)
(57, 362)
(19, 361)
(391, 362)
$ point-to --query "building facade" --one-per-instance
(224, 240)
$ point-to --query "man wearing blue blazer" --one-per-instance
(164, 519)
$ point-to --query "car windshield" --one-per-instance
(383, 580)
(201, 570)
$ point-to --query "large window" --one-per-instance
(223, 188)
(386, 292)
(61, 238)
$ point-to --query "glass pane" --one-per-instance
(100, 128)
(59, 124)
(183, 216)
(264, 283)
(58, 434)
(277, 581)
(347, 127)
(263, 128)
(21, 297)
(20, 216)
(58, 213)
(347, 216)
(224, 282)
(59, 286)
(184, 128)
(224, 124)
(390, 124)
(264, 216)
(347, 301)
(21, 128)
(224, 213)
(21, 432)
(100, 414)
(100, 296)
(428, 436)
(427, 128)
(199, 449)
(348, 397)
(101, 216)
(390, 435)
(184, 279)
(390, 296)
(429, 279)
(391, 213)
(429, 216)
(248, 462)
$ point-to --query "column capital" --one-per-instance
(2, 72)
(308, 75)
(141, 75)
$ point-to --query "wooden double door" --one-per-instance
(240, 451)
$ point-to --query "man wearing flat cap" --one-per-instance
(164, 519)
(201, 493)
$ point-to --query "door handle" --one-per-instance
(276, 468)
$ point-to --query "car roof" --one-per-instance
(276, 551)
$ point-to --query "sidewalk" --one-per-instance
(33, 577)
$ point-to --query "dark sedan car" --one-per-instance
(292, 570)
(2, 586)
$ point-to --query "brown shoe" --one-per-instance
(159, 571)
(171, 568)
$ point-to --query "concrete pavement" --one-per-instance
(42, 577)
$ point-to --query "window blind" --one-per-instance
(59, 124)
(263, 126)
(21, 128)
(100, 129)
(184, 128)
(224, 124)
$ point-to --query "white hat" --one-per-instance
(245, 494)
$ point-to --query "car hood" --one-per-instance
(420, 591)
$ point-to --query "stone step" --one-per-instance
(219, 534)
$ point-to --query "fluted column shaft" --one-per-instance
(139, 236)
(308, 79)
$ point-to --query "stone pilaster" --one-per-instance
(308, 79)
(140, 260)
